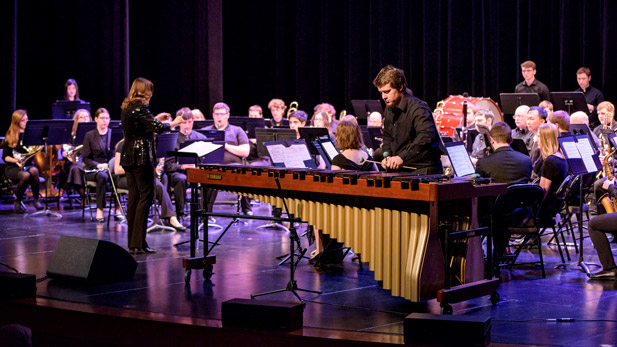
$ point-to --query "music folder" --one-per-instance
(459, 158)
(579, 153)
(195, 151)
(290, 154)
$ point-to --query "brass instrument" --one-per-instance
(342, 115)
(22, 158)
(608, 202)
(293, 107)
(72, 152)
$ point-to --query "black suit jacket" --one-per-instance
(96, 148)
(505, 165)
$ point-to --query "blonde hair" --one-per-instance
(76, 118)
(12, 135)
(548, 134)
(141, 91)
(277, 103)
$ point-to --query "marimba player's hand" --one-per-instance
(394, 162)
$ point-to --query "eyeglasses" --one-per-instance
(220, 114)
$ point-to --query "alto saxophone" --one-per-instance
(608, 202)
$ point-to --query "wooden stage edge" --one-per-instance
(55, 322)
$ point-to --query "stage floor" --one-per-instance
(351, 300)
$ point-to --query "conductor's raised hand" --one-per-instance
(163, 117)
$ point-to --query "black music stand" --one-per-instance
(165, 144)
(511, 101)
(82, 129)
(47, 132)
(269, 135)
(200, 124)
(579, 166)
(212, 134)
(294, 241)
(64, 109)
(569, 101)
(251, 124)
(363, 108)
(312, 133)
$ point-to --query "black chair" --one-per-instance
(516, 212)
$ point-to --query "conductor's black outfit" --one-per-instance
(138, 160)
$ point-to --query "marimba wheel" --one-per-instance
(208, 271)
(446, 308)
(495, 298)
(187, 276)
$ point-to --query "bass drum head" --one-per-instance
(449, 112)
(489, 104)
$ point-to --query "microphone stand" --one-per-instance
(294, 239)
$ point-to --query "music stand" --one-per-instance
(64, 109)
(569, 101)
(269, 135)
(312, 133)
(363, 108)
(212, 134)
(165, 143)
(511, 101)
(47, 132)
(200, 124)
(581, 159)
(583, 129)
(82, 129)
(519, 146)
(253, 123)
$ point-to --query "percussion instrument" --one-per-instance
(449, 112)
(394, 220)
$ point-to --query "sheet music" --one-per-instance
(328, 146)
(586, 151)
(459, 158)
(293, 156)
(571, 150)
(201, 148)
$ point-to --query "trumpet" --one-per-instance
(293, 107)
(22, 158)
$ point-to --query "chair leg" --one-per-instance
(563, 261)
(539, 241)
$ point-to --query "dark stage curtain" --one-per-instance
(330, 51)
(311, 51)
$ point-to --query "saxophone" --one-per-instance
(608, 202)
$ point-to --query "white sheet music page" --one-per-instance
(459, 158)
(201, 148)
(571, 150)
(586, 151)
(298, 154)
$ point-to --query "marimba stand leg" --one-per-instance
(292, 285)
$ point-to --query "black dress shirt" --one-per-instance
(535, 87)
(96, 148)
(410, 133)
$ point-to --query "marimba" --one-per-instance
(396, 221)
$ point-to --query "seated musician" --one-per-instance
(73, 167)
(410, 136)
(22, 173)
(177, 173)
(374, 120)
(562, 120)
(554, 165)
(197, 114)
(254, 159)
(547, 106)
(320, 119)
(605, 122)
(598, 227)
(483, 120)
(505, 165)
(96, 154)
(168, 213)
(351, 157)
(521, 132)
(277, 108)
(236, 143)
(297, 120)
(255, 111)
(330, 111)
(536, 116)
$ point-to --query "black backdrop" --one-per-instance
(311, 51)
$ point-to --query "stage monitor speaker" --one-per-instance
(262, 314)
(90, 261)
(446, 330)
